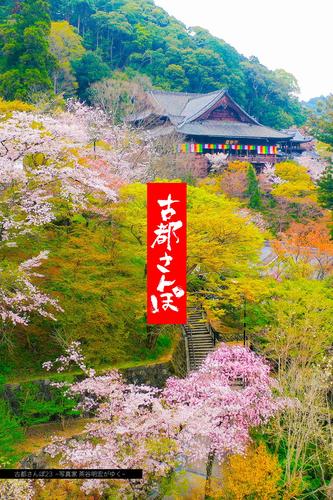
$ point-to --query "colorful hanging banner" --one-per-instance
(166, 253)
(199, 148)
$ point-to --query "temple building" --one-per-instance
(211, 123)
(298, 142)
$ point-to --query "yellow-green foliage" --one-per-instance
(238, 166)
(96, 269)
(8, 107)
(297, 186)
(219, 241)
(65, 46)
(324, 150)
(291, 171)
(211, 183)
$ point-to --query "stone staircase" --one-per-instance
(199, 336)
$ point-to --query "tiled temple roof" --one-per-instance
(183, 111)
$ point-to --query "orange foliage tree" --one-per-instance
(309, 243)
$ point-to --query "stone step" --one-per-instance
(199, 335)
(197, 327)
(201, 344)
(200, 340)
(202, 352)
(202, 349)
(199, 331)
(197, 338)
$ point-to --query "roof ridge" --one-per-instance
(219, 94)
(156, 91)
(197, 94)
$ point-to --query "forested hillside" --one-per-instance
(125, 38)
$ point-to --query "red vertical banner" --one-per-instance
(166, 253)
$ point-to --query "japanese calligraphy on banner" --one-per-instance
(166, 253)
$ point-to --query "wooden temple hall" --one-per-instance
(211, 123)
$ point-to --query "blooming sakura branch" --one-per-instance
(166, 253)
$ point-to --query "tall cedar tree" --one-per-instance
(253, 191)
(26, 62)
(325, 191)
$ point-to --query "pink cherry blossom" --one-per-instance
(19, 297)
(211, 411)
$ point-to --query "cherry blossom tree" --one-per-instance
(133, 428)
(205, 416)
(19, 297)
(315, 165)
(218, 161)
(32, 173)
(270, 175)
(218, 404)
(45, 160)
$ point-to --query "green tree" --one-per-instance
(26, 61)
(5, 8)
(137, 35)
(112, 31)
(10, 432)
(176, 75)
(322, 121)
(89, 69)
(36, 406)
(325, 188)
(296, 340)
(253, 190)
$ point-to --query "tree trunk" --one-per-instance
(111, 51)
(152, 336)
(209, 469)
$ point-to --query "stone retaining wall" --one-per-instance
(154, 375)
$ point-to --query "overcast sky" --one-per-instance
(296, 35)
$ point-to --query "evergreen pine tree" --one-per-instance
(325, 188)
(253, 191)
(25, 61)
